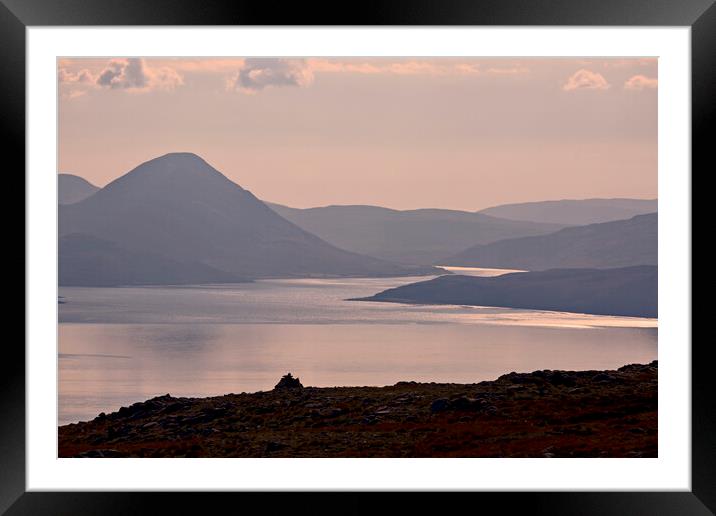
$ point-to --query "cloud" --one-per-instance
(251, 75)
(384, 67)
(73, 93)
(255, 74)
(74, 84)
(333, 66)
(586, 80)
(123, 74)
(515, 70)
(419, 68)
(204, 65)
(631, 62)
(640, 82)
(259, 73)
(618, 63)
(83, 76)
(414, 67)
(165, 78)
(134, 74)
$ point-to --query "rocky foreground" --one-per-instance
(538, 414)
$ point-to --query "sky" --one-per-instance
(405, 133)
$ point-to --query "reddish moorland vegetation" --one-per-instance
(538, 414)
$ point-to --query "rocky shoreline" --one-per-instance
(539, 414)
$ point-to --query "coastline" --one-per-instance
(610, 413)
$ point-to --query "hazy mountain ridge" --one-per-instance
(574, 212)
(179, 207)
(72, 188)
(406, 236)
(620, 243)
(629, 291)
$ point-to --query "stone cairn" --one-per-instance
(287, 381)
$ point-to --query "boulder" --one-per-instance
(439, 405)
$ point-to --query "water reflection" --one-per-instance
(105, 366)
(478, 271)
(135, 343)
(299, 301)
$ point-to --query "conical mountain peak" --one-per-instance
(180, 158)
(179, 174)
(179, 207)
(177, 163)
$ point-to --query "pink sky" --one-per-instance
(402, 133)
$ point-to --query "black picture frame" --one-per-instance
(17, 15)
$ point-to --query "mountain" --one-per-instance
(71, 188)
(574, 212)
(179, 207)
(629, 291)
(620, 243)
(88, 261)
(411, 236)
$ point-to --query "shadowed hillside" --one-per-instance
(88, 261)
(71, 188)
(629, 291)
(621, 243)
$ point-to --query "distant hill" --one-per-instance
(630, 291)
(179, 207)
(88, 261)
(71, 188)
(620, 243)
(574, 212)
(411, 236)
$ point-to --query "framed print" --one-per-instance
(420, 249)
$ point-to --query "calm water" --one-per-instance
(121, 345)
(475, 271)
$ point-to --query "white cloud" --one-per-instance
(131, 75)
(414, 67)
(83, 76)
(586, 80)
(259, 73)
(630, 62)
(134, 74)
(123, 74)
(75, 84)
(641, 82)
(514, 70)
